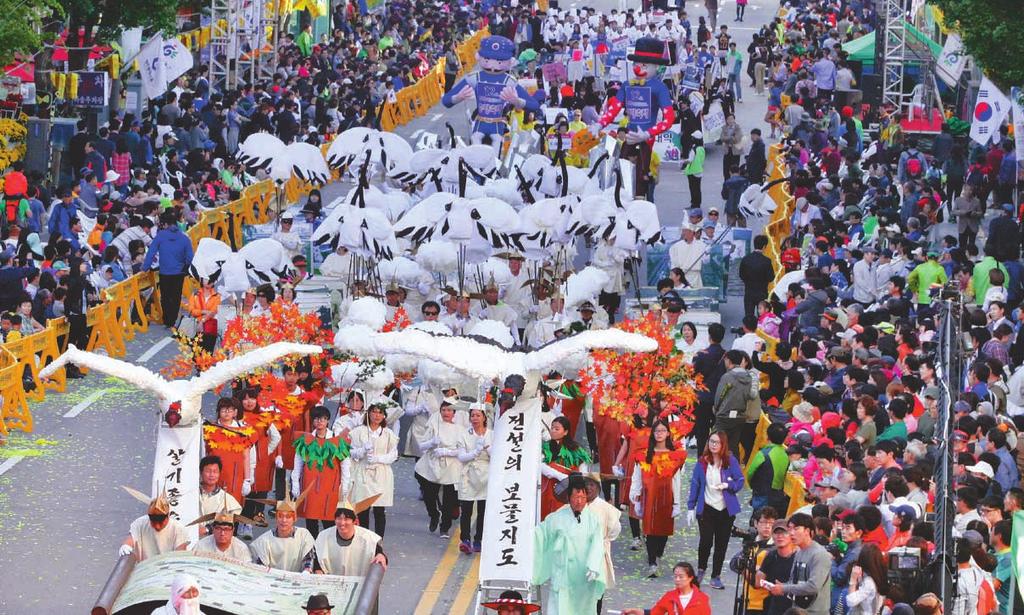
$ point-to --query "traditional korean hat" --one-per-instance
(512, 598)
(287, 504)
(358, 507)
(225, 516)
(158, 505)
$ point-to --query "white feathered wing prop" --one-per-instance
(483, 360)
(189, 393)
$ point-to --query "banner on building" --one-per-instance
(990, 110)
(951, 61)
(176, 469)
(511, 513)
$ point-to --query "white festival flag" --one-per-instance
(511, 513)
(1017, 100)
(177, 59)
(951, 61)
(151, 67)
(990, 109)
(176, 469)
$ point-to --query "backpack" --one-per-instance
(914, 167)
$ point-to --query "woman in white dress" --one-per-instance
(689, 342)
(475, 455)
(374, 448)
(439, 470)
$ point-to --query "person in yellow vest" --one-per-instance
(350, 550)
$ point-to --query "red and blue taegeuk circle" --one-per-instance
(983, 111)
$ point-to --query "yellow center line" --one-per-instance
(440, 578)
(468, 589)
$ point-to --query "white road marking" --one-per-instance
(436, 116)
(85, 403)
(157, 347)
(10, 463)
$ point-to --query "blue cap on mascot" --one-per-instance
(497, 48)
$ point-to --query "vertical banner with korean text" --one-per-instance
(511, 513)
(177, 469)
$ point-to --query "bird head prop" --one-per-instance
(173, 415)
(287, 504)
(363, 505)
(159, 504)
(225, 516)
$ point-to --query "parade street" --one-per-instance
(63, 512)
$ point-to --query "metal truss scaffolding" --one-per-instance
(894, 51)
(243, 41)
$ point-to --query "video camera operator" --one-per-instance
(756, 545)
(775, 568)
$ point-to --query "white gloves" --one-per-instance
(442, 451)
(429, 444)
(357, 453)
(368, 447)
(296, 491)
(246, 487)
(633, 137)
(278, 462)
(125, 550)
(371, 458)
(675, 511)
(591, 575)
(618, 471)
(691, 517)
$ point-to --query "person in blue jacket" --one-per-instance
(714, 504)
(173, 249)
(494, 88)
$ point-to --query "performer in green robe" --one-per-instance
(569, 553)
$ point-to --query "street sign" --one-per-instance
(93, 89)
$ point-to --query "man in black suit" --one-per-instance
(1004, 236)
(709, 363)
(757, 273)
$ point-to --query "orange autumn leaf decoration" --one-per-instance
(232, 439)
(397, 322)
(625, 385)
(665, 463)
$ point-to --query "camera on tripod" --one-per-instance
(746, 535)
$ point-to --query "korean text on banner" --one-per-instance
(511, 513)
(177, 469)
(151, 67)
(990, 109)
(713, 122)
(951, 61)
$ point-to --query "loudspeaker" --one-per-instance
(871, 85)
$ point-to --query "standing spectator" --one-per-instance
(731, 397)
(757, 158)
(757, 273)
(713, 502)
(808, 583)
(868, 582)
(693, 168)
(969, 212)
(173, 249)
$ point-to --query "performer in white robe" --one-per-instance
(609, 517)
(350, 549)
(374, 447)
(155, 532)
(221, 540)
(438, 470)
(474, 453)
(184, 597)
(286, 547)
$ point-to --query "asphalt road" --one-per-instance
(63, 513)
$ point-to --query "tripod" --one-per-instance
(745, 565)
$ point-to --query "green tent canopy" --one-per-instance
(863, 49)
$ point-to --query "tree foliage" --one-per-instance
(22, 22)
(102, 20)
(991, 32)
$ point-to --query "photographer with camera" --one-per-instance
(776, 568)
(808, 585)
(756, 545)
